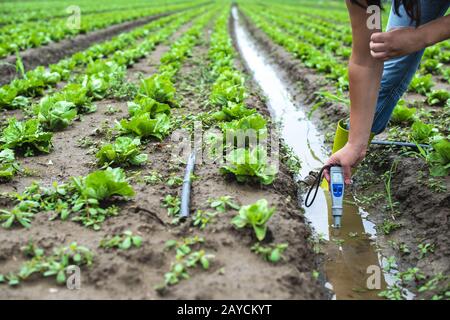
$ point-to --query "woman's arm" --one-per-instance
(403, 41)
(364, 76)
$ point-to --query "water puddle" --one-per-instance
(351, 250)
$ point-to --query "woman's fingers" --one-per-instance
(379, 37)
(378, 47)
(326, 174)
(380, 55)
(347, 174)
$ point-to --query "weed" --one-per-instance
(174, 181)
(172, 203)
(388, 226)
(153, 178)
(272, 253)
(425, 249)
(202, 218)
(124, 241)
(223, 203)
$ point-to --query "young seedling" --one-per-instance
(394, 292)
(183, 247)
(185, 258)
(153, 178)
(388, 187)
(172, 203)
(223, 203)
(255, 215)
(388, 226)
(202, 218)
(124, 241)
(391, 264)
(272, 253)
(15, 215)
(174, 181)
(424, 249)
(55, 264)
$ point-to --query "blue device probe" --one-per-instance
(337, 194)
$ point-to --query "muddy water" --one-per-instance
(350, 251)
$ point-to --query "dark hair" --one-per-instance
(412, 7)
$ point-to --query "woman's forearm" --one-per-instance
(365, 81)
(436, 31)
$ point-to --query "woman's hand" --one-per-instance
(348, 157)
(403, 41)
(396, 42)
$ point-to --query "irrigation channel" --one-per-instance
(350, 252)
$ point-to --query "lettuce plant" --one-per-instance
(123, 152)
(143, 126)
(247, 165)
(233, 111)
(7, 96)
(403, 114)
(440, 158)
(438, 97)
(159, 88)
(103, 184)
(256, 216)
(421, 132)
(254, 122)
(147, 105)
(8, 165)
(421, 84)
(27, 136)
(78, 95)
(224, 92)
(55, 115)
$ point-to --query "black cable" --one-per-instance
(316, 184)
(400, 144)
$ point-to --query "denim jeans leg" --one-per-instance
(398, 72)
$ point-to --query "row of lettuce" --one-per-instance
(34, 82)
(89, 200)
(19, 12)
(244, 162)
(98, 76)
(320, 50)
(18, 37)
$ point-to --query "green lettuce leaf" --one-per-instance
(123, 152)
(26, 135)
(143, 126)
(255, 215)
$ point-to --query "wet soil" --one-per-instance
(422, 211)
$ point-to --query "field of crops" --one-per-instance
(93, 129)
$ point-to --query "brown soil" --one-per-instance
(235, 271)
(422, 212)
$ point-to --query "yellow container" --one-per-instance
(340, 137)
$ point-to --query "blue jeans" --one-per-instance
(398, 72)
